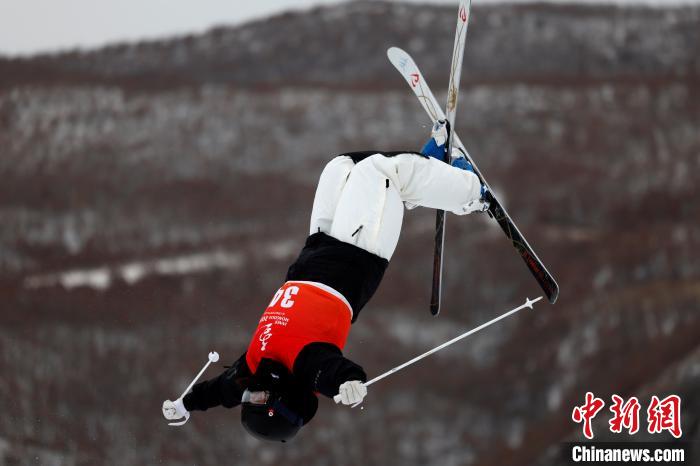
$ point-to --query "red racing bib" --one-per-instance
(300, 313)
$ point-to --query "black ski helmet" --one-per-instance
(274, 406)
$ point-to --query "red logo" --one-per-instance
(662, 415)
(587, 412)
(463, 14)
(415, 78)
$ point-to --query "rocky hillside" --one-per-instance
(153, 195)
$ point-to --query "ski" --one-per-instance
(451, 111)
(403, 62)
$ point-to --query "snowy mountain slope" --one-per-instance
(511, 42)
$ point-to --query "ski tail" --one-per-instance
(451, 112)
(533, 263)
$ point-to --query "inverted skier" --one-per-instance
(295, 352)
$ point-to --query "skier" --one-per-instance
(356, 219)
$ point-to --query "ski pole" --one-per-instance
(213, 357)
(528, 304)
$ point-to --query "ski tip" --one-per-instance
(553, 295)
(435, 309)
(400, 58)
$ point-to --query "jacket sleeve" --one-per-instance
(225, 390)
(322, 368)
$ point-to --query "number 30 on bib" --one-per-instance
(288, 293)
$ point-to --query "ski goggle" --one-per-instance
(262, 398)
(256, 398)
